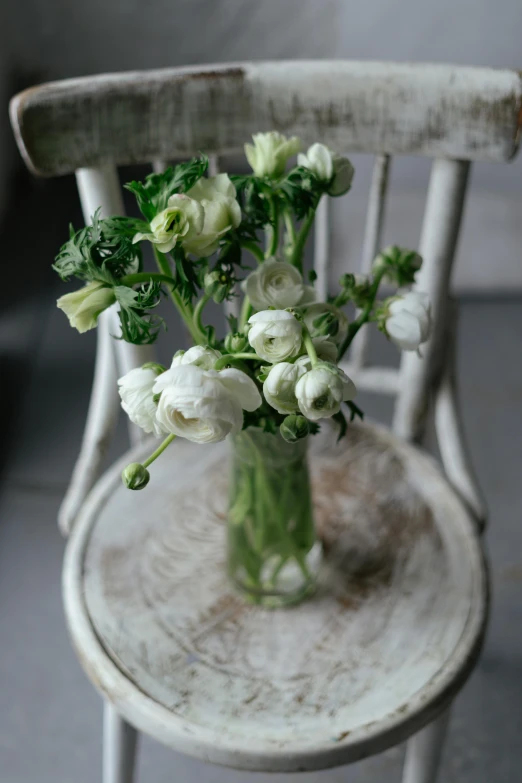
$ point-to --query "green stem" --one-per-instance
(246, 312)
(230, 357)
(289, 225)
(198, 310)
(302, 236)
(146, 277)
(184, 310)
(310, 347)
(253, 248)
(274, 239)
(161, 448)
(364, 315)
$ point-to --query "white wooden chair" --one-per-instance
(397, 626)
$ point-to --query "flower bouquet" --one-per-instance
(270, 381)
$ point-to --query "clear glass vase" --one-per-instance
(273, 553)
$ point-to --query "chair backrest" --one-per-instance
(451, 114)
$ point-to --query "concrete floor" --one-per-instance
(50, 716)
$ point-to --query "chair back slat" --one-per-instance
(371, 107)
(440, 230)
(322, 248)
(159, 165)
(100, 188)
(372, 241)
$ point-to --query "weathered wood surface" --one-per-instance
(378, 107)
(388, 640)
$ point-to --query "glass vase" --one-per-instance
(273, 552)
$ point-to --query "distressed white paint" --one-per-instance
(387, 642)
(435, 110)
(101, 420)
(322, 248)
(372, 241)
(449, 429)
(440, 230)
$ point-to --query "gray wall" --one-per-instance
(62, 38)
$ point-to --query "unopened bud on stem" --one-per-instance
(135, 476)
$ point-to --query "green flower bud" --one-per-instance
(216, 285)
(343, 172)
(294, 427)
(235, 343)
(399, 264)
(135, 476)
(326, 324)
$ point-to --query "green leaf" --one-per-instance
(301, 190)
(154, 192)
(186, 275)
(232, 323)
(355, 411)
(102, 251)
(137, 325)
(341, 421)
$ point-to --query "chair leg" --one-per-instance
(119, 747)
(423, 752)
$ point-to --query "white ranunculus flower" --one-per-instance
(409, 321)
(200, 355)
(182, 220)
(205, 406)
(321, 391)
(270, 152)
(275, 335)
(279, 386)
(328, 167)
(275, 284)
(320, 310)
(318, 160)
(217, 196)
(83, 307)
(137, 401)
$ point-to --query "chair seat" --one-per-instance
(381, 649)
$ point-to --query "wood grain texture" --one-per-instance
(388, 640)
(136, 117)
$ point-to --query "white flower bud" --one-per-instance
(137, 398)
(217, 196)
(409, 320)
(318, 160)
(270, 153)
(329, 168)
(83, 307)
(275, 284)
(321, 391)
(279, 386)
(275, 335)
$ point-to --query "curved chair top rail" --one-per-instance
(374, 107)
